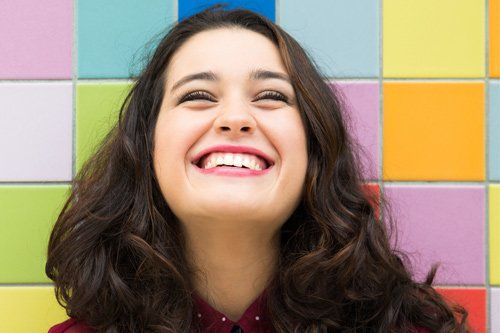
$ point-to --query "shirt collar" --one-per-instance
(254, 319)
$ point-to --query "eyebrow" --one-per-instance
(257, 74)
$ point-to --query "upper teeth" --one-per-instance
(250, 161)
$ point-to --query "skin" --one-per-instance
(232, 224)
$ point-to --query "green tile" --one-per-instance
(97, 109)
(27, 214)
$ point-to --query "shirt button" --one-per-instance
(199, 315)
(223, 318)
(257, 317)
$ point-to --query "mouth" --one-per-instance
(237, 157)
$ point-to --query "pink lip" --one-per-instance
(234, 149)
(232, 171)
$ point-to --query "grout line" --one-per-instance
(487, 168)
(74, 57)
(380, 166)
(277, 7)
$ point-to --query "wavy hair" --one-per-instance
(116, 253)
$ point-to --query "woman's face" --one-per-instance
(234, 103)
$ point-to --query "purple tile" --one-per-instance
(36, 39)
(441, 223)
(36, 131)
(362, 102)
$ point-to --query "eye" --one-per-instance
(196, 95)
(274, 95)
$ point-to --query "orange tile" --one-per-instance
(473, 300)
(433, 131)
(494, 37)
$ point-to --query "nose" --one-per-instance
(235, 120)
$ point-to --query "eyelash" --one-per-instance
(204, 95)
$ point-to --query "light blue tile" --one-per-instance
(263, 7)
(113, 34)
(341, 35)
(494, 130)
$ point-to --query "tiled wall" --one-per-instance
(422, 82)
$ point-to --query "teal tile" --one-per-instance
(113, 35)
(342, 35)
(494, 130)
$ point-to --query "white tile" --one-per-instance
(495, 310)
(36, 131)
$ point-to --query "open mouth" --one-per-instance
(232, 161)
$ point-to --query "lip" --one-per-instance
(232, 171)
(233, 149)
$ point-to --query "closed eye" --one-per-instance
(197, 95)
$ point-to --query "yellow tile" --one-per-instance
(494, 38)
(29, 309)
(433, 131)
(428, 38)
(494, 200)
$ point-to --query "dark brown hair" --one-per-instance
(117, 253)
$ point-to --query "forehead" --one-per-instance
(231, 52)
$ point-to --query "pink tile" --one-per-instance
(362, 103)
(442, 223)
(36, 39)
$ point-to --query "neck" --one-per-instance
(233, 265)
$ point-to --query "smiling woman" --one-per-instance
(228, 198)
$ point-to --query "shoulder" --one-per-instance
(71, 326)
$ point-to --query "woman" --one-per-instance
(228, 198)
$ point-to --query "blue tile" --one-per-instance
(113, 35)
(494, 130)
(263, 7)
(342, 35)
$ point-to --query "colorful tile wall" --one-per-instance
(264, 7)
(424, 126)
(37, 37)
(27, 214)
(112, 35)
(494, 232)
(427, 212)
(421, 89)
(327, 30)
(36, 131)
(427, 39)
(494, 130)
(29, 309)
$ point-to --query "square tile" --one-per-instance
(473, 300)
(263, 7)
(427, 38)
(97, 109)
(494, 130)
(373, 192)
(494, 233)
(27, 214)
(36, 132)
(437, 223)
(362, 106)
(494, 38)
(327, 29)
(37, 38)
(29, 309)
(495, 310)
(114, 35)
(424, 131)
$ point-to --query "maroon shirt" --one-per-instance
(253, 320)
